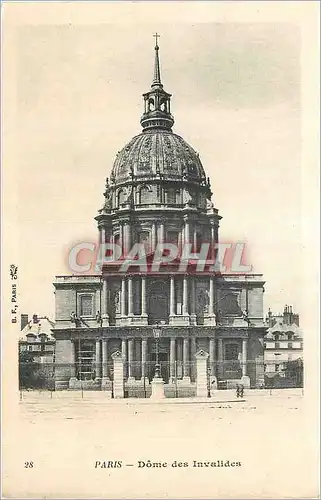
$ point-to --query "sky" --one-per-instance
(236, 100)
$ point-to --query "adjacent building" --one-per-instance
(158, 192)
(283, 341)
(36, 338)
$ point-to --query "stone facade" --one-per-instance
(283, 342)
(158, 193)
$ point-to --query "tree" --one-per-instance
(26, 369)
(294, 371)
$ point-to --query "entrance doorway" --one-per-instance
(158, 305)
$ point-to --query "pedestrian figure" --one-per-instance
(237, 390)
(241, 391)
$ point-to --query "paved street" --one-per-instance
(66, 435)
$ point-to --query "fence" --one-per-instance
(33, 375)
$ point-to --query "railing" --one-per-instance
(45, 375)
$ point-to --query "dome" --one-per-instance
(157, 153)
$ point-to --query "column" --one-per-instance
(182, 236)
(105, 372)
(194, 239)
(220, 357)
(121, 238)
(124, 354)
(130, 358)
(193, 301)
(123, 297)
(153, 237)
(104, 314)
(118, 383)
(244, 357)
(180, 242)
(73, 360)
(126, 238)
(186, 358)
(143, 305)
(211, 297)
(193, 353)
(97, 361)
(161, 233)
(130, 296)
(144, 357)
(172, 359)
(212, 356)
(102, 235)
(212, 243)
(172, 296)
(187, 233)
(185, 296)
(179, 361)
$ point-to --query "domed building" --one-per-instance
(158, 316)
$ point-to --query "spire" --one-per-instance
(157, 79)
(157, 112)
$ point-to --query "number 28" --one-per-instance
(28, 465)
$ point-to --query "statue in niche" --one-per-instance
(187, 197)
(202, 302)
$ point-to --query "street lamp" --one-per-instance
(156, 334)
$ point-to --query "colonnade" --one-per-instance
(188, 311)
(157, 232)
(181, 349)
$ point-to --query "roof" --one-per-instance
(158, 152)
(43, 326)
(284, 329)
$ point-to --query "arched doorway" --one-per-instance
(158, 303)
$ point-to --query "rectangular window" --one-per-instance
(277, 368)
(290, 345)
(86, 305)
(277, 345)
(170, 196)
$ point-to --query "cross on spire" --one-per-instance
(157, 78)
(156, 35)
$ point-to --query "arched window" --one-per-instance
(163, 105)
(151, 104)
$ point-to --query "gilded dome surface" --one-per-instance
(157, 152)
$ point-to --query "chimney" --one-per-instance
(23, 321)
(286, 315)
(35, 318)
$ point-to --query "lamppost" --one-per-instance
(156, 334)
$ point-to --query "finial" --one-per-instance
(156, 35)
(157, 78)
